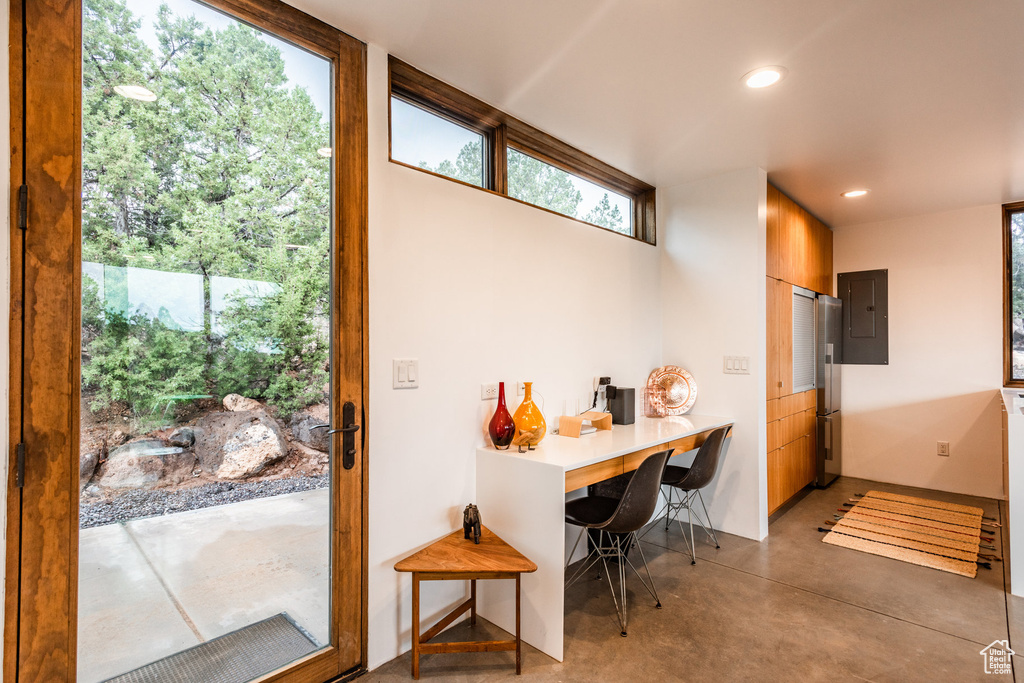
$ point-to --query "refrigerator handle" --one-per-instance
(827, 373)
(828, 438)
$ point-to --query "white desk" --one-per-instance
(521, 497)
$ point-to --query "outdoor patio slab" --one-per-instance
(126, 618)
(152, 587)
(232, 565)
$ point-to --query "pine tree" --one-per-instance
(219, 177)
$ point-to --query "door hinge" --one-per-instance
(23, 207)
(20, 476)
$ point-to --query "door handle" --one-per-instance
(350, 428)
(348, 432)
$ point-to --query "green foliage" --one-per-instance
(535, 182)
(135, 360)
(278, 348)
(606, 215)
(467, 167)
(220, 176)
(538, 183)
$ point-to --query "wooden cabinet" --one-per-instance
(779, 361)
(792, 426)
(799, 252)
(799, 246)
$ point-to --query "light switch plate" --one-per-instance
(736, 365)
(405, 373)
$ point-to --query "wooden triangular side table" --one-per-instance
(457, 558)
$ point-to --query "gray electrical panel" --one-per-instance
(865, 296)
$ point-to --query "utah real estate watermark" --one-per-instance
(997, 657)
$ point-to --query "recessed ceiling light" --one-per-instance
(764, 76)
(135, 92)
(324, 152)
(854, 193)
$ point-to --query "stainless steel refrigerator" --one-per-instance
(828, 382)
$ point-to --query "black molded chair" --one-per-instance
(689, 481)
(616, 521)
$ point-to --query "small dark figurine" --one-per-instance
(471, 523)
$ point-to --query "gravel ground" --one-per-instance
(138, 503)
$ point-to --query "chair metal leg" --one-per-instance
(649, 584)
(668, 506)
(665, 509)
(712, 534)
(624, 617)
(568, 560)
(684, 504)
(588, 563)
(615, 548)
(606, 552)
(689, 516)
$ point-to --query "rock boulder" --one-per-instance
(302, 427)
(87, 461)
(137, 464)
(234, 445)
(182, 436)
(237, 403)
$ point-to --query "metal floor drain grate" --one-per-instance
(235, 657)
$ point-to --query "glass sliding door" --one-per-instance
(218, 348)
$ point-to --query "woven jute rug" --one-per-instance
(920, 531)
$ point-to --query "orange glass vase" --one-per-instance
(530, 424)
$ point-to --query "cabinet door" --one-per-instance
(773, 230)
(780, 339)
(776, 495)
(772, 352)
(826, 261)
(788, 236)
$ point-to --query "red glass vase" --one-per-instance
(501, 428)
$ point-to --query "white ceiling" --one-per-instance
(922, 101)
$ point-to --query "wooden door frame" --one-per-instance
(40, 591)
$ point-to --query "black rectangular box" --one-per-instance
(623, 406)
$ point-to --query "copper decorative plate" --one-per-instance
(671, 390)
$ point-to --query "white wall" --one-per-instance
(479, 288)
(945, 353)
(713, 305)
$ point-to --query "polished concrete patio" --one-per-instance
(152, 587)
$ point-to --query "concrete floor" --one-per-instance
(153, 587)
(789, 608)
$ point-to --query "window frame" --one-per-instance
(1008, 210)
(502, 131)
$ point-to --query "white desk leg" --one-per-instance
(523, 502)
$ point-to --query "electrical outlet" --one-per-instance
(943, 449)
(488, 391)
